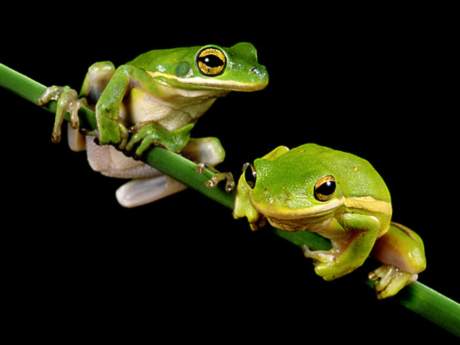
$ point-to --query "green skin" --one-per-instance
(158, 96)
(155, 99)
(356, 217)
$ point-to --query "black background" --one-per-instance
(379, 84)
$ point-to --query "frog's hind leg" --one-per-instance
(142, 191)
(402, 253)
(208, 152)
(95, 81)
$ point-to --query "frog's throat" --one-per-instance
(367, 204)
(213, 84)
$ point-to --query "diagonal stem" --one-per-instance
(417, 297)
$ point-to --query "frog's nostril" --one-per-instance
(253, 69)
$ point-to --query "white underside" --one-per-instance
(108, 161)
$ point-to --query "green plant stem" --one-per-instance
(417, 297)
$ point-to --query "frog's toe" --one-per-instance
(124, 135)
(389, 280)
(143, 138)
(67, 102)
(218, 177)
(326, 271)
(51, 93)
(321, 257)
(151, 134)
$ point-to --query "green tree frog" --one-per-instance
(154, 100)
(341, 197)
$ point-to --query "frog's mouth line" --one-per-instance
(281, 214)
(213, 84)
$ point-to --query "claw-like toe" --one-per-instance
(67, 102)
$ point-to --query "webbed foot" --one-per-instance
(67, 102)
(389, 280)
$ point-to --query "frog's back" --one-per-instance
(356, 176)
(163, 57)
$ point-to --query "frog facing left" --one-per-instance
(154, 99)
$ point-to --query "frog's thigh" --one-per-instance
(143, 191)
(108, 161)
(401, 247)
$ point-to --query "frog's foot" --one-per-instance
(217, 177)
(143, 191)
(67, 102)
(327, 263)
(323, 261)
(389, 280)
(110, 131)
(320, 256)
(148, 134)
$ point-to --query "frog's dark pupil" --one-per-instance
(250, 177)
(327, 188)
(211, 60)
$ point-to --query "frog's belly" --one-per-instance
(144, 107)
(108, 161)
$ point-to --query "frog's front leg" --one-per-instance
(110, 128)
(402, 252)
(95, 81)
(351, 252)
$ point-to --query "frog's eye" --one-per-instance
(325, 188)
(211, 61)
(250, 174)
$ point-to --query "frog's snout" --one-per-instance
(260, 76)
(259, 70)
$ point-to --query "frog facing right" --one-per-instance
(155, 99)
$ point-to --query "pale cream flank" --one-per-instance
(207, 82)
(369, 204)
(366, 203)
(290, 213)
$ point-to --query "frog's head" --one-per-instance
(292, 190)
(209, 67)
(309, 184)
(291, 197)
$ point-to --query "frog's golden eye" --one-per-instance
(211, 61)
(325, 188)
